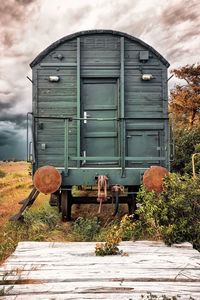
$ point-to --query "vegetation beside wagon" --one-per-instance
(174, 215)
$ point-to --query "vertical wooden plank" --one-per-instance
(66, 148)
(78, 100)
(122, 109)
(166, 140)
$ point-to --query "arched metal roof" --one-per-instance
(90, 32)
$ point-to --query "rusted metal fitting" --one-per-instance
(153, 178)
(102, 190)
(47, 180)
(116, 188)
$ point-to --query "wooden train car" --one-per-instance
(100, 114)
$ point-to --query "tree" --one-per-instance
(185, 99)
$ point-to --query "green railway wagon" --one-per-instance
(99, 116)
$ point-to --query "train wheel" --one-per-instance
(131, 205)
(66, 206)
(132, 201)
(53, 201)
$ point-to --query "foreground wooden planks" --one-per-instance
(46, 270)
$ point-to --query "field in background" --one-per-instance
(43, 222)
(15, 185)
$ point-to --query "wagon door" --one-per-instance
(144, 148)
(99, 100)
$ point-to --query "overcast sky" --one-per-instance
(28, 26)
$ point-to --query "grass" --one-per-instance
(2, 174)
(42, 222)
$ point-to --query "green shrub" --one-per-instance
(187, 142)
(86, 229)
(174, 215)
(2, 174)
(45, 215)
(114, 237)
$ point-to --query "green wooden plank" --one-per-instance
(143, 89)
(144, 158)
(147, 126)
(104, 53)
(133, 46)
(46, 84)
(143, 115)
(68, 112)
(58, 64)
(100, 107)
(57, 104)
(64, 71)
(94, 158)
(46, 98)
(100, 134)
(150, 62)
(57, 138)
(136, 71)
(143, 95)
(57, 125)
(98, 42)
(97, 72)
(140, 108)
(52, 157)
(44, 76)
(100, 60)
(143, 102)
(69, 46)
(57, 92)
(55, 151)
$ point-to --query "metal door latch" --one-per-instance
(84, 155)
(85, 115)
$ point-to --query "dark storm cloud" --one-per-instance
(7, 137)
(5, 105)
(18, 120)
(8, 112)
(12, 144)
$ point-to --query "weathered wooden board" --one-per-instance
(46, 270)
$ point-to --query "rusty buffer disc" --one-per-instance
(153, 178)
(47, 180)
